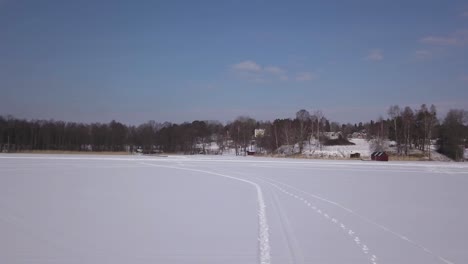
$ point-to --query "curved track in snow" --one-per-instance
(136, 209)
(263, 235)
(351, 232)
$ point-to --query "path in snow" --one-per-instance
(183, 209)
(264, 242)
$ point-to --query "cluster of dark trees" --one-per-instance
(412, 128)
(421, 129)
(453, 134)
(409, 128)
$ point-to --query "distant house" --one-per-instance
(379, 156)
(259, 132)
(361, 135)
(333, 135)
(251, 150)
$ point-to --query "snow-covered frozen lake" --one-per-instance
(181, 209)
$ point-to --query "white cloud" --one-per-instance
(274, 70)
(456, 38)
(423, 54)
(445, 41)
(375, 55)
(305, 76)
(277, 71)
(252, 71)
(248, 65)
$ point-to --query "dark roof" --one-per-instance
(378, 153)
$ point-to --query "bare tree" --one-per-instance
(286, 129)
(453, 134)
(408, 119)
(319, 115)
(431, 124)
(379, 142)
(276, 134)
(394, 113)
(284, 133)
(244, 126)
(303, 116)
(422, 123)
(335, 126)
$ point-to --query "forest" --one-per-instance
(409, 128)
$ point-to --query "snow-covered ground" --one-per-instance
(344, 151)
(201, 209)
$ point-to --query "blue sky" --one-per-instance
(178, 61)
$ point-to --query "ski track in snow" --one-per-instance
(264, 245)
(287, 231)
(386, 229)
(263, 236)
(364, 248)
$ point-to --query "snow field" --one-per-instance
(185, 209)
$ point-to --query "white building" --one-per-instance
(259, 132)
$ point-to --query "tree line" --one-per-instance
(408, 128)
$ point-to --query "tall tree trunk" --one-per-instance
(276, 137)
(396, 135)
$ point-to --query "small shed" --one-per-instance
(252, 149)
(379, 156)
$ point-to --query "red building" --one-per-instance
(379, 156)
